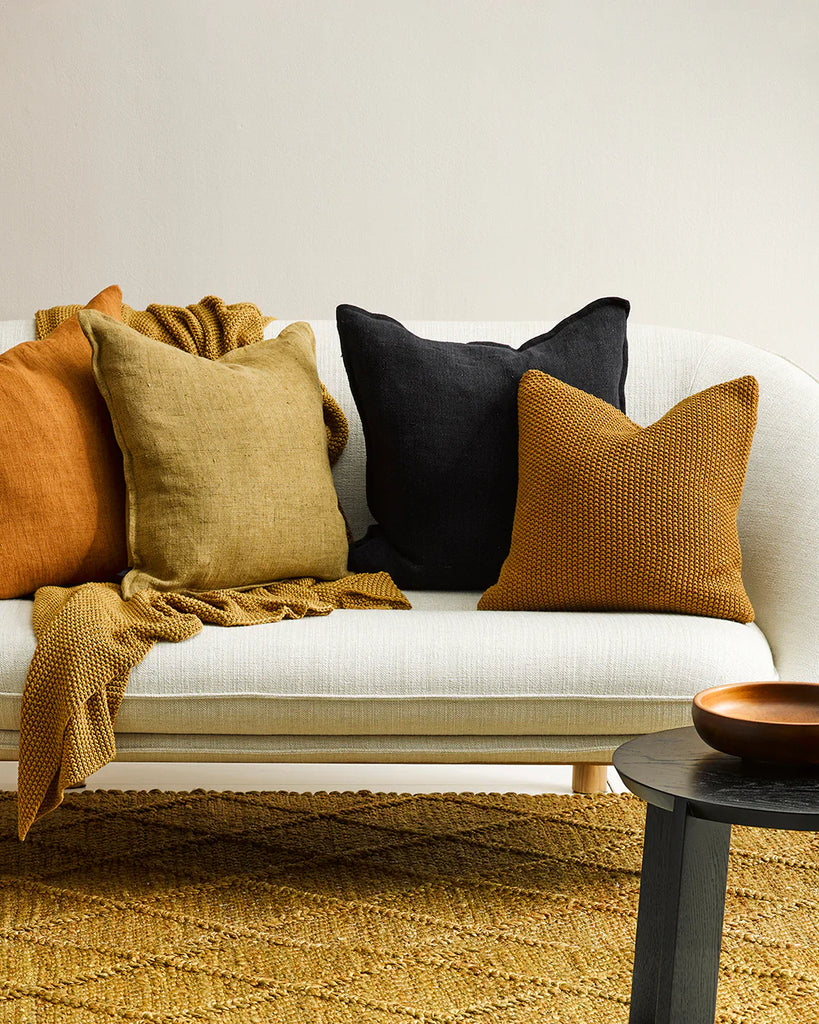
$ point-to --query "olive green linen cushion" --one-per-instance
(226, 465)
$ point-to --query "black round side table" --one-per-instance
(694, 795)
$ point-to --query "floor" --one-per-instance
(301, 778)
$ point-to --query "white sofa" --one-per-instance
(447, 683)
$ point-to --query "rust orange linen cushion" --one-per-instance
(62, 488)
(614, 516)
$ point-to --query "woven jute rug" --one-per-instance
(373, 908)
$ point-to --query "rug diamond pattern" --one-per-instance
(330, 908)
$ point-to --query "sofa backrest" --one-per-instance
(779, 515)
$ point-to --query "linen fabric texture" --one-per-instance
(226, 460)
(612, 516)
(62, 494)
(440, 426)
(210, 328)
(355, 749)
(440, 669)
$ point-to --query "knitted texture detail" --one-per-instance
(89, 639)
(206, 328)
(612, 516)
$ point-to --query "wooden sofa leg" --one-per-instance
(589, 778)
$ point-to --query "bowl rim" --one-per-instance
(756, 722)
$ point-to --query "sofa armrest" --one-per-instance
(779, 514)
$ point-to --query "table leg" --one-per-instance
(679, 923)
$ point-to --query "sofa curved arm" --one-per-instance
(779, 514)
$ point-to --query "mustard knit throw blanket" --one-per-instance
(89, 638)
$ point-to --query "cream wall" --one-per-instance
(427, 158)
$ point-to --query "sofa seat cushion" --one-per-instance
(441, 669)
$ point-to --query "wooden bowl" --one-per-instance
(767, 721)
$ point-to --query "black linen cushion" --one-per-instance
(440, 426)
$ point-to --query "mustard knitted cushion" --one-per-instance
(614, 516)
